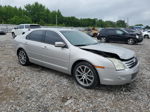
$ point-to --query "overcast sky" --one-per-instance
(137, 11)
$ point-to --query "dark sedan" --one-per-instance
(119, 35)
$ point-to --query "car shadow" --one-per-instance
(124, 43)
(117, 88)
(102, 88)
(39, 68)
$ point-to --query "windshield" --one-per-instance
(125, 30)
(129, 30)
(78, 38)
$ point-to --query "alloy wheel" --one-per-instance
(131, 41)
(103, 39)
(84, 75)
(22, 57)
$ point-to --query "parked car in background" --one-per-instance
(119, 35)
(146, 34)
(129, 30)
(22, 28)
(2, 32)
(91, 31)
(74, 52)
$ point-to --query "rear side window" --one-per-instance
(111, 32)
(36, 36)
(27, 26)
(21, 27)
(102, 31)
(52, 37)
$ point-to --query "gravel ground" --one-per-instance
(38, 89)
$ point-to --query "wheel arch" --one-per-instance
(146, 35)
(82, 60)
(20, 48)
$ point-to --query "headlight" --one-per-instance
(117, 63)
(137, 36)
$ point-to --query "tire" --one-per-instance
(146, 36)
(23, 58)
(85, 75)
(103, 39)
(13, 35)
(131, 41)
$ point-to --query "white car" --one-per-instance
(146, 34)
(22, 28)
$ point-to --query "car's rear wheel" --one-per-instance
(103, 39)
(85, 75)
(13, 35)
(23, 58)
(146, 36)
(131, 41)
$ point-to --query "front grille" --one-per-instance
(131, 63)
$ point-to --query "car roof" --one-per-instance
(111, 28)
(28, 24)
(55, 29)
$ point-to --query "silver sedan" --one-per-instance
(73, 52)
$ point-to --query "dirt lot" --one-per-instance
(38, 89)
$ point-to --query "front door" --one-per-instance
(57, 57)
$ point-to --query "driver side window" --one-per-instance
(52, 37)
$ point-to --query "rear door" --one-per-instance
(34, 45)
(111, 35)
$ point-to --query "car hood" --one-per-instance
(123, 53)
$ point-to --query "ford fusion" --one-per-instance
(73, 52)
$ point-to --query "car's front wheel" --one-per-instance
(131, 41)
(23, 58)
(85, 75)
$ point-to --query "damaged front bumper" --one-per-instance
(110, 76)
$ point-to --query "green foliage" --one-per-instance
(109, 24)
(121, 23)
(139, 25)
(20, 20)
(38, 13)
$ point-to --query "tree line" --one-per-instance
(39, 14)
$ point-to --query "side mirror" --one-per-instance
(60, 44)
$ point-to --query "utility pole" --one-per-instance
(56, 20)
(127, 21)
